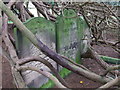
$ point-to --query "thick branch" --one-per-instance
(49, 65)
(47, 74)
(71, 61)
(17, 77)
(0, 23)
(110, 84)
(111, 68)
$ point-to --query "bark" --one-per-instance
(96, 57)
(0, 67)
(47, 74)
(43, 10)
(0, 23)
(40, 9)
(0, 48)
(24, 15)
(53, 55)
(111, 68)
(17, 77)
(45, 62)
(21, 9)
(71, 61)
(112, 12)
(110, 84)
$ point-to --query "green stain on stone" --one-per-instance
(69, 32)
(36, 25)
(63, 73)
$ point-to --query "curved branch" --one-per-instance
(79, 65)
(47, 74)
(17, 77)
(45, 62)
(110, 84)
(111, 68)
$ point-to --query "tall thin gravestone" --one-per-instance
(45, 31)
(69, 32)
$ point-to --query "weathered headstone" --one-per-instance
(69, 32)
(65, 37)
(45, 31)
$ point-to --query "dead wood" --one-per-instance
(47, 74)
(45, 62)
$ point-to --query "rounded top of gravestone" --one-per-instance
(69, 13)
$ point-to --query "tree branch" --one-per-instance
(47, 74)
(71, 61)
(17, 77)
(110, 84)
(49, 65)
(96, 57)
(111, 68)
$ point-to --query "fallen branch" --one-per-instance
(111, 68)
(71, 61)
(110, 84)
(18, 80)
(45, 62)
(17, 77)
(110, 44)
(47, 74)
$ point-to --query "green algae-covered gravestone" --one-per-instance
(45, 31)
(65, 37)
(69, 33)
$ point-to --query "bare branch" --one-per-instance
(45, 62)
(71, 61)
(17, 77)
(47, 74)
(110, 84)
(111, 68)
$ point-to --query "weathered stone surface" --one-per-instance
(45, 31)
(66, 36)
(69, 29)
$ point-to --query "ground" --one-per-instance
(73, 79)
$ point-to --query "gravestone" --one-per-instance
(45, 31)
(69, 33)
(65, 37)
